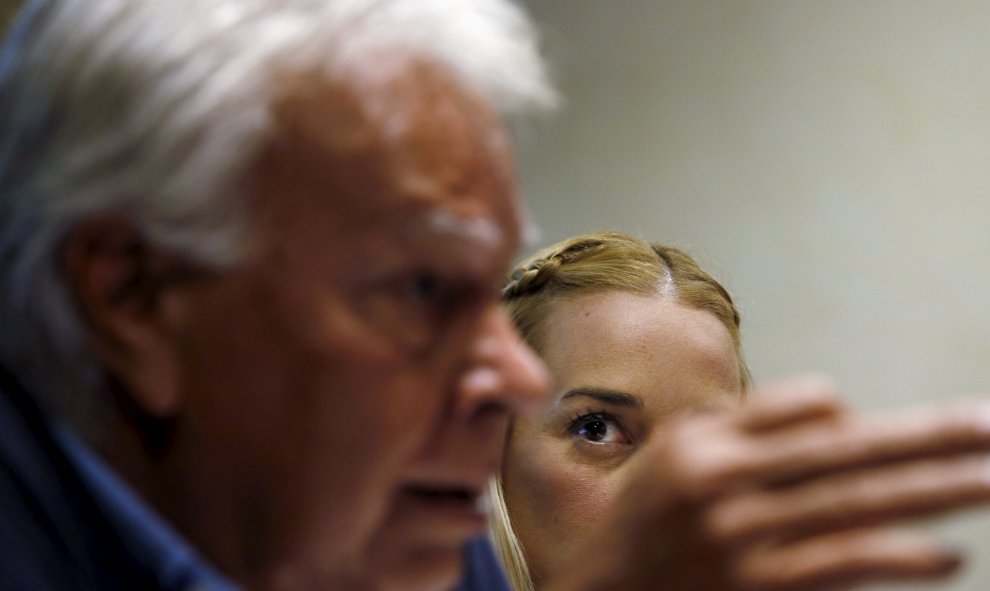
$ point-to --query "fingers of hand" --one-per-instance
(848, 442)
(845, 559)
(852, 499)
(789, 402)
(704, 456)
(904, 462)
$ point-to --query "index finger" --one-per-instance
(858, 442)
(784, 403)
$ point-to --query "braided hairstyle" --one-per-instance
(613, 261)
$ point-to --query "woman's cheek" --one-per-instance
(573, 495)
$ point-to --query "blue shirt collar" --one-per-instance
(154, 542)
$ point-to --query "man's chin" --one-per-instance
(420, 569)
(420, 545)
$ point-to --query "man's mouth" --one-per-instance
(447, 511)
(454, 499)
(444, 494)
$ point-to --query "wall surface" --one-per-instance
(829, 160)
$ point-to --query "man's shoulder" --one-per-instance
(52, 535)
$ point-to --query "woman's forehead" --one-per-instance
(636, 343)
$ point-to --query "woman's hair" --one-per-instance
(587, 264)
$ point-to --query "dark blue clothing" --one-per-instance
(174, 562)
(53, 535)
(483, 570)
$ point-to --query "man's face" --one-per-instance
(359, 364)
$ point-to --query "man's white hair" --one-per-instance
(155, 109)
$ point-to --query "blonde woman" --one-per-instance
(647, 465)
(634, 333)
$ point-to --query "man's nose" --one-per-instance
(503, 372)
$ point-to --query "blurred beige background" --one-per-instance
(830, 160)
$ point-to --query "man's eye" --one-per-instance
(598, 428)
(424, 287)
(409, 308)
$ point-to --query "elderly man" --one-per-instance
(250, 253)
(249, 258)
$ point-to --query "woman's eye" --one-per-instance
(598, 428)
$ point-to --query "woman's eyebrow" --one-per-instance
(614, 397)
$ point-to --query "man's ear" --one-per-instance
(122, 288)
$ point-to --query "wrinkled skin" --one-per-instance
(282, 413)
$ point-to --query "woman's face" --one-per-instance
(623, 365)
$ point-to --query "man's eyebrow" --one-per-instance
(613, 397)
(471, 229)
(450, 232)
(465, 243)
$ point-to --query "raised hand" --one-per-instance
(791, 492)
